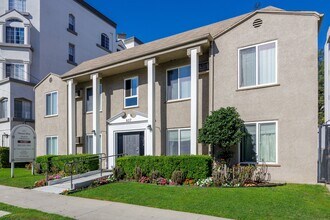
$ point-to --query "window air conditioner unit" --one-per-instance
(203, 66)
(79, 140)
(78, 93)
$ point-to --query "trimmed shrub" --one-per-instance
(194, 167)
(4, 157)
(178, 177)
(55, 164)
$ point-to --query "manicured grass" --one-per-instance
(291, 201)
(22, 178)
(28, 214)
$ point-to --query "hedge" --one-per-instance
(56, 163)
(4, 157)
(194, 167)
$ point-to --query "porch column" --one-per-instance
(151, 107)
(194, 53)
(96, 112)
(2, 32)
(71, 116)
(26, 34)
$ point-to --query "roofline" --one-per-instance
(132, 39)
(204, 38)
(96, 12)
(14, 10)
(41, 81)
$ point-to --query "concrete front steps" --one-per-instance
(79, 181)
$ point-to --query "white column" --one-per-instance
(96, 112)
(326, 82)
(151, 107)
(194, 59)
(2, 32)
(72, 116)
(26, 34)
(27, 77)
(2, 69)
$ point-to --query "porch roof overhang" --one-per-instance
(137, 62)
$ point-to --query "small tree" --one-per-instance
(222, 129)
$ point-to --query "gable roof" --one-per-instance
(209, 31)
(46, 77)
(14, 14)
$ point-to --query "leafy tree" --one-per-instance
(321, 86)
(222, 129)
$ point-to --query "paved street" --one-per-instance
(80, 208)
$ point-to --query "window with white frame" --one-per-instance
(51, 103)
(3, 108)
(131, 92)
(19, 5)
(14, 35)
(72, 53)
(72, 22)
(89, 144)
(22, 109)
(258, 65)
(178, 83)
(178, 142)
(15, 71)
(89, 98)
(260, 143)
(105, 42)
(52, 145)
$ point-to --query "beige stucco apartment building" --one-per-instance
(153, 98)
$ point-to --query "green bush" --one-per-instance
(54, 163)
(4, 157)
(194, 167)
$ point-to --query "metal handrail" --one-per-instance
(75, 163)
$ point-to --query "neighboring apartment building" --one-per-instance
(42, 36)
(153, 98)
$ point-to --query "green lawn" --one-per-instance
(23, 178)
(291, 201)
(27, 214)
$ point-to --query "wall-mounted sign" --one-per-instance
(23, 144)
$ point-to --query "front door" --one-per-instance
(130, 143)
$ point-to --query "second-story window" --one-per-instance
(178, 83)
(15, 70)
(19, 5)
(15, 35)
(72, 22)
(51, 103)
(72, 53)
(89, 98)
(131, 92)
(22, 109)
(3, 108)
(105, 41)
(257, 65)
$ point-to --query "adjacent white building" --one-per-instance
(42, 36)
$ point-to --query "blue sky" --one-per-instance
(153, 19)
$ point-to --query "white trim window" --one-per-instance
(105, 41)
(3, 108)
(72, 22)
(52, 103)
(131, 97)
(89, 98)
(179, 83)
(14, 35)
(178, 142)
(257, 65)
(15, 71)
(19, 5)
(89, 144)
(260, 143)
(52, 145)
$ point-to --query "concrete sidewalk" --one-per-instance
(80, 208)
